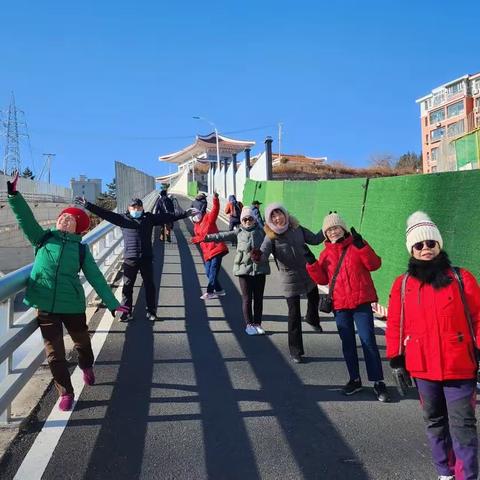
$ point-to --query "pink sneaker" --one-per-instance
(88, 376)
(66, 402)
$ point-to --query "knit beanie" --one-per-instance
(246, 212)
(82, 219)
(419, 228)
(333, 219)
(268, 217)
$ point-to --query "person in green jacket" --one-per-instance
(251, 275)
(54, 288)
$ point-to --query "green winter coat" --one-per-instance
(54, 285)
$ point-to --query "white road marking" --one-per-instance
(38, 457)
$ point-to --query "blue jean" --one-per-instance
(362, 318)
(212, 269)
(449, 414)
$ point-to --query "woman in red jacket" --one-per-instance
(431, 333)
(352, 296)
(204, 224)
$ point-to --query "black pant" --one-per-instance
(252, 287)
(295, 341)
(130, 270)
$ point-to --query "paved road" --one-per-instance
(193, 397)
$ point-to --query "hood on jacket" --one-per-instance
(293, 224)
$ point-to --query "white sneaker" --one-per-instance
(208, 296)
(446, 477)
(221, 293)
(251, 330)
(260, 330)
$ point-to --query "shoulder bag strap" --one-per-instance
(457, 276)
(402, 312)
(273, 253)
(334, 278)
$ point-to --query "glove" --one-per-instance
(308, 254)
(190, 212)
(400, 374)
(256, 255)
(357, 239)
(12, 186)
(80, 201)
(120, 309)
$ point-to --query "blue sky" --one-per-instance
(105, 81)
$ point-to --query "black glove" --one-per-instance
(357, 239)
(308, 254)
(12, 186)
(400, 374)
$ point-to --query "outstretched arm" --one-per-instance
(221, 236)
(112, 217)
(313, 238)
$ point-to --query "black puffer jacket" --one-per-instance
(137, 232)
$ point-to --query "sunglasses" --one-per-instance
(428, 243)
(248, 219)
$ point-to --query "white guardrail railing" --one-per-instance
(105, 242)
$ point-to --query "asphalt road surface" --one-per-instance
(194, 397)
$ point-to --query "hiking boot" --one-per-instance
(88, 376)
(125, 317)
(352, 387)
(251, 330)
(66, 402)
(221, 293)
(208, 296)
(296, 358)
(152, 316)
(381, 392)
(260, 330)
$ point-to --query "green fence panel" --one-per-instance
(467, 149)
(450, 199)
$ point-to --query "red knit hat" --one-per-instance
(83, 220)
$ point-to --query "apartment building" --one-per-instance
(448, 112)
(90, 188)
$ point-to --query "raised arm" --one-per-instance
(98, 282)
(221, 236)
(313, 238)
(112, 217)
(27, 222)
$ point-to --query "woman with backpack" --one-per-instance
(54, 288)
(345, 265)
(285, 239)
(233, 209)
(251, 275)
(433, 332)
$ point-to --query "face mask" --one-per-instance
(136, 213)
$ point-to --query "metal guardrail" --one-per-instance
(105, 242)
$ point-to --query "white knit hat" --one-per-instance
(246, 212)
(333, 219)
(419, 228)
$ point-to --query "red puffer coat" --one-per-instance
(436, 337)
(207, 225)
(354, 284)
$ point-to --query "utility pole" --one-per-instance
(48, 162)
(279, 139)
(11, 157)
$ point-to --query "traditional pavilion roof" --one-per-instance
(208, 144)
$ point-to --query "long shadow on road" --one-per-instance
(318, 449)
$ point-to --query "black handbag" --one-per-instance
(325, 304)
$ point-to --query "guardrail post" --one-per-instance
(6, 322)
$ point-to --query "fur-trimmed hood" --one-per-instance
(292, 225)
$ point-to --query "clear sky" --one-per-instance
(101, 81)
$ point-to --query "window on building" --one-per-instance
(438, 98)
(455, 88)
(426, 121)
(455, 109)
(437, 134)
(437, 116)
(434, 154)
(434, 169)
(456, 129)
